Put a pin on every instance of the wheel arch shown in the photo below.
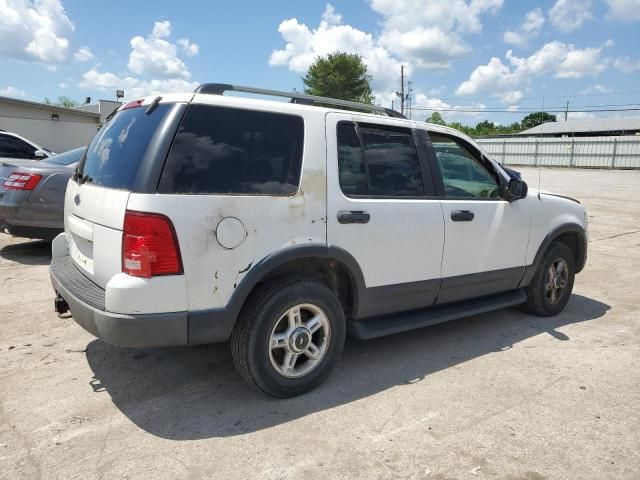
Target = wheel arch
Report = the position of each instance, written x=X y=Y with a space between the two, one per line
x=571 y=234
x=333 y=265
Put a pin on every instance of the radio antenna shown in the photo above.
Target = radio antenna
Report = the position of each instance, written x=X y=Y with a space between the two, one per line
x=538 y=149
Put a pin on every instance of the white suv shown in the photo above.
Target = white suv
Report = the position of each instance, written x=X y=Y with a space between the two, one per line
x=199 y=218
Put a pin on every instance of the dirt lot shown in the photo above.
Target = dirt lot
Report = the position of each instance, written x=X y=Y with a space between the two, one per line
x=502 y=395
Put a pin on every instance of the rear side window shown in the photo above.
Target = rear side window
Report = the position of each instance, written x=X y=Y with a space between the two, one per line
x=11 y=147
x=378 y=162
x=116 y=151
x=220 y=150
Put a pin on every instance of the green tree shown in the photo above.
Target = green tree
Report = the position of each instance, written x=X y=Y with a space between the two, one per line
x=436 y=118
x=537 y=118
x=339 y=75
x=62 y=102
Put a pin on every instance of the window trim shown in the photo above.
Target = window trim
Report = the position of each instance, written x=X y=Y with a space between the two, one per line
x=477 y=155
x=428 y=182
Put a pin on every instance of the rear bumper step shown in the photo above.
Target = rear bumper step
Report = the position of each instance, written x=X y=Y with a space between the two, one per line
x=390 y=324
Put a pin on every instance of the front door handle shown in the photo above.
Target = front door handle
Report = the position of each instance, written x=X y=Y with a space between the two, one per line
x=462 y=215
x=353 y=216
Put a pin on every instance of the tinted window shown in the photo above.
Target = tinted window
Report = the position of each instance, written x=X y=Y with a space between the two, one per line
x=116 y=151
x=12 y=147
x=463 y=174
x=391 y=165
x=352 y=172
x=227 y=150
x=68 y=157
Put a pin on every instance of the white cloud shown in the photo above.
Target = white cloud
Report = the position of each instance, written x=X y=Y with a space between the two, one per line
x=459 y=15
x=625 y=64
x=424 y=104
x=429 y=48
x=161 y=29
x=448 y=111
x=494 y=78
x=530 y=28
x=429 y=34
x=420 y=35
x=304 y=45
x=152 y=56
x=36 y=31
x=83 y=54
x=63 y=85
x=508 y=81
x=156 y=56
x=189 y=48
x=595 y=90
x=625 y=10
x=10 y=91
x=569 y=15
x=134 y=87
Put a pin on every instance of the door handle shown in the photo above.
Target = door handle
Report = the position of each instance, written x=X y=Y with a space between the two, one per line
x=462 y=215
x=353 y=216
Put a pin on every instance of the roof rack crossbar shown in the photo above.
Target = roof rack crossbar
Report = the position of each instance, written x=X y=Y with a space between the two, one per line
x=301 y=98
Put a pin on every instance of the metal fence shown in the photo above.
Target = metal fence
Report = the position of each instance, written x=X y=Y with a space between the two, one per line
x=581 y=152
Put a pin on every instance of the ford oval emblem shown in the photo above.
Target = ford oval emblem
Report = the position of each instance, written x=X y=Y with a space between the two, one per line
x=76 y=199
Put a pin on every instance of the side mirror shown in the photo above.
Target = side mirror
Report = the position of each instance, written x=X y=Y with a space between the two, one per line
x=516 y=190
x=40 y=154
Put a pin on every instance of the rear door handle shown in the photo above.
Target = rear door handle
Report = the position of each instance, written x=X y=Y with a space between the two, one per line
x=353 y=216
x=462 y=215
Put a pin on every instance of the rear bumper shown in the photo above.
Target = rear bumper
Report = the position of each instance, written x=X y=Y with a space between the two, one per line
x=86 y=304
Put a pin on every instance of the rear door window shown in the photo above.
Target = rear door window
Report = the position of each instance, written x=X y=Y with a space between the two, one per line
x=220 y=150
x=378 y=162
x=114 y=155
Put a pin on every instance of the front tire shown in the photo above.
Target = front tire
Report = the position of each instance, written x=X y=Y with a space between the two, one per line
x=551 y=286
x=289 y=337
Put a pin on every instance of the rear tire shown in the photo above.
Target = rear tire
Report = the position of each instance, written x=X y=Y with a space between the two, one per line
x=551 y=286
x=289 y=336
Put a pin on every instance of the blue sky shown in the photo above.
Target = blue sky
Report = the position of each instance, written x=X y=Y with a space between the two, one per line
x=461 y=55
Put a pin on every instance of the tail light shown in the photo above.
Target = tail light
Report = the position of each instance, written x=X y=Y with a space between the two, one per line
x=21 y=181
x=150 y=245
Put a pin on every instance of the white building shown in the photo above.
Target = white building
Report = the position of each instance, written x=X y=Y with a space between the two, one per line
x=52 y=127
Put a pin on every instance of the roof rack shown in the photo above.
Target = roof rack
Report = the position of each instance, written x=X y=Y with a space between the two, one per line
x=295 y=97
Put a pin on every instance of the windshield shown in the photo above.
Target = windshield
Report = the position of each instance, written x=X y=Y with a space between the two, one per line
x=68 y=157
x=113 y=158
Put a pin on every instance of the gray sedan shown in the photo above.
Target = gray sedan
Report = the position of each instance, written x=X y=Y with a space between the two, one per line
x=32 y=194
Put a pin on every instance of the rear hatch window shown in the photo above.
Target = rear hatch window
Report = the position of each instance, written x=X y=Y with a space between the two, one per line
x=115 y=154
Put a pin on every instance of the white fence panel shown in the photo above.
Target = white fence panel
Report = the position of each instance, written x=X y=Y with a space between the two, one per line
x=583 y=152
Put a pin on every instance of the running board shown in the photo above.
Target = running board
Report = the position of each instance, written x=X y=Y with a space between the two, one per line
x=403 y=322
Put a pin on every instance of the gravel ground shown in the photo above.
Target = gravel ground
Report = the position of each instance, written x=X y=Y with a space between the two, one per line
x=502 y=395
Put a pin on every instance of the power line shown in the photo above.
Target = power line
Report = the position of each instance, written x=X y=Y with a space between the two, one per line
x=576 y=95
x=521 y=110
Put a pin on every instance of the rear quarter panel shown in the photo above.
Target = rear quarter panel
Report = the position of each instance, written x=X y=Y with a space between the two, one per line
x=271 y=222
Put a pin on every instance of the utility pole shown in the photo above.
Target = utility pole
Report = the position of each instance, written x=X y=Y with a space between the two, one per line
x=409 y=99
x=402 y=89
x=566 y=111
